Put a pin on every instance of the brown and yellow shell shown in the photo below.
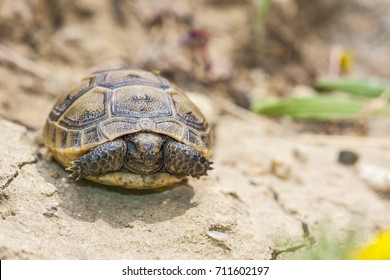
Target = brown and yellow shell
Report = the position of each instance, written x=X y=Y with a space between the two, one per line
x=112 y=103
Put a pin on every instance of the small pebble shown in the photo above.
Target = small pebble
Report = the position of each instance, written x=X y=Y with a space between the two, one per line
x=51 y=212
x=348 y=157
x=280 y=169
x=220 y=236
x=48 y=189
x=376 y=177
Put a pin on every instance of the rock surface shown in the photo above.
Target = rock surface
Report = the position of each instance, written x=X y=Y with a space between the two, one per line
x=240 y=211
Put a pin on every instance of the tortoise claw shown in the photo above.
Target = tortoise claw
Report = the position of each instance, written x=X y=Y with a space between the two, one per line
x=210 y=167
x=75 y=169
x=74 y=177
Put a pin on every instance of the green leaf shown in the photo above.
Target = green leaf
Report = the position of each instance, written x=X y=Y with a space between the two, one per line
x=359 y=87
x=311 y=108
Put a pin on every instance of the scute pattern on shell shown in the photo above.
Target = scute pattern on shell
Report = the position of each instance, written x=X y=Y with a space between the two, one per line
x=122 y=77
x=109 y=104
x=66 y=100
x=146 y=102
x=89 y=108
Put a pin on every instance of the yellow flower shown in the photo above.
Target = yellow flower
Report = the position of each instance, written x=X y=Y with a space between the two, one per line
x=379 y=249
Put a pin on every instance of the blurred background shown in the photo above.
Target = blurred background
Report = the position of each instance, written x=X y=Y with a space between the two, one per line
x=301 y=80
x=289 y=59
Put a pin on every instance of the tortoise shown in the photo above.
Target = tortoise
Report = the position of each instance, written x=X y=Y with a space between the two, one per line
x=128 y=128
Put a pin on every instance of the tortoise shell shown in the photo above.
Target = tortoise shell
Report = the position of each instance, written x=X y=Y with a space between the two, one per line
x=112 y=103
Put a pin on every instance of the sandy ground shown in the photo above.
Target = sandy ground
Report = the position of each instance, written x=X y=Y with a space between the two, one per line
x=242 y=210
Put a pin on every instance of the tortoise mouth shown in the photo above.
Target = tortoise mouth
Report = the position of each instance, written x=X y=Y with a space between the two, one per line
x=145 y=167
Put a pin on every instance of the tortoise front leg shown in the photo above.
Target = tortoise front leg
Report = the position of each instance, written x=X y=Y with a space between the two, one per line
x=104 y=158
x=182 y=160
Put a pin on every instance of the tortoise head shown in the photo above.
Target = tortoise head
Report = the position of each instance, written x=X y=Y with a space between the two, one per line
x=144 y=152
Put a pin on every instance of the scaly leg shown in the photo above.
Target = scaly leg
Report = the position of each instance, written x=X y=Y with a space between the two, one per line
x=104 y=158
x=182 y=160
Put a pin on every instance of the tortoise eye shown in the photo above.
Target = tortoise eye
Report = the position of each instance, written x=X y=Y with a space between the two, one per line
x=131 y=148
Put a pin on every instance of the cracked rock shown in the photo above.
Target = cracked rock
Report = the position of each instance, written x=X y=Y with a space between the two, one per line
x=229 y=218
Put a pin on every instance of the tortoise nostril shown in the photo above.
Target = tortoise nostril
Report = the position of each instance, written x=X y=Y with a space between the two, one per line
x=149 y=153
x=143 y=149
